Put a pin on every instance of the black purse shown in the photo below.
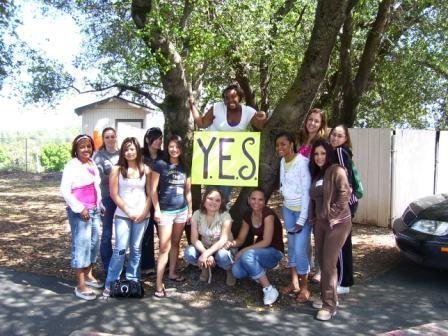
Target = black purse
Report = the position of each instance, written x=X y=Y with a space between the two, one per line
x=127 y=289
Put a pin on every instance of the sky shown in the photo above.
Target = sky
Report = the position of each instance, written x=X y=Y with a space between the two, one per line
x=59 y=37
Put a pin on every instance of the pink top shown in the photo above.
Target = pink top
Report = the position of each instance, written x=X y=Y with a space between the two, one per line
x=86 y=195
x=305 y=150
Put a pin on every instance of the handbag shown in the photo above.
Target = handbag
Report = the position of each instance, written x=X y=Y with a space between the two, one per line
x=127 y=289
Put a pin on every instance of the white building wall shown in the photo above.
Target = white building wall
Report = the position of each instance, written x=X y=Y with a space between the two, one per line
x=442 y=164
x=413 y=167
x=105 y=115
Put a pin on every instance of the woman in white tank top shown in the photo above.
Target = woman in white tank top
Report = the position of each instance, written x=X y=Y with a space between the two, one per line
x=129 y=185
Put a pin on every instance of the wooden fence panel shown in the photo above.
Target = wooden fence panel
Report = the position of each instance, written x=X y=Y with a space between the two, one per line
x=372 y=156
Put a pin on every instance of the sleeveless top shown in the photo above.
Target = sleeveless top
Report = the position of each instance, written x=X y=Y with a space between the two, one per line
x=220 y=122
x=277 y=235
x=132 y=191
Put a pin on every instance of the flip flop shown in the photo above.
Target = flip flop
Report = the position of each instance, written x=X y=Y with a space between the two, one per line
x=94 y=283
x=179 y=278
x=161 y=293
x=85 y=295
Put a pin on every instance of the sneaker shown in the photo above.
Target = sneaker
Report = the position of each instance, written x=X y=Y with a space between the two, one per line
x=317 y=304
x=89 y=296
x=94 y=283
x=230 y=279
x=342 y=290
x=324 y=315
x=270 y=295
x=106 y=293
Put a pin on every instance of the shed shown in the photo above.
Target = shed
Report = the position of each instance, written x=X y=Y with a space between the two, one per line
x=127 y=117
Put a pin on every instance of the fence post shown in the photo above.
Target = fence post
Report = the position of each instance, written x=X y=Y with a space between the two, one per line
x=26 y=155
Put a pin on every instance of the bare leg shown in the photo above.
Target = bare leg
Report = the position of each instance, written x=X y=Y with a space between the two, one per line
x=164 y=249
x=176 y=235
x=80 y=278
x=293 y=285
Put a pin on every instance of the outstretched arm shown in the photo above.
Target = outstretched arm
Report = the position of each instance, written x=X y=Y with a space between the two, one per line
x=201 y=121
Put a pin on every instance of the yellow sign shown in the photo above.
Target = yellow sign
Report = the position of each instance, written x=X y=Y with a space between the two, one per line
x=226 y=158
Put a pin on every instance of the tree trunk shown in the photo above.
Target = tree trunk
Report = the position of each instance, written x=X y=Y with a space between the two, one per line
x=353 y=91
x=287 y=116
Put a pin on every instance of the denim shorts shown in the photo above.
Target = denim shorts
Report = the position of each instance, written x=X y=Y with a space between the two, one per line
x=176 y=216
x=85 y=238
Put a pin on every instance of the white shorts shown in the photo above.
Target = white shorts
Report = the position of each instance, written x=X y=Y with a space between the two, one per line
x=174 y=217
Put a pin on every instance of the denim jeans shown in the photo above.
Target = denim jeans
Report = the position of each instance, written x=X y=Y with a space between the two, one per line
x=298 y=243
x=127 y=234
x=254 y=262
x=106 y=236
x=223 y=257
x=85 y=238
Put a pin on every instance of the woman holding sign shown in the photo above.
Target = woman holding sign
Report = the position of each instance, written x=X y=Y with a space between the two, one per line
x=228 y=116
x=171 y=196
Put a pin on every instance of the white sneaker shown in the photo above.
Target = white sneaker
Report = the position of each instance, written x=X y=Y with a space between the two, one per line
x=342 y=290
x=270 y=295
x=324 y=315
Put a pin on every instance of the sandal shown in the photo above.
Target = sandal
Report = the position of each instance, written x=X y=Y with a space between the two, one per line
x=179 y=278
x=289 y=290
x=303 y=296
x=90 y=295
x=160 y=294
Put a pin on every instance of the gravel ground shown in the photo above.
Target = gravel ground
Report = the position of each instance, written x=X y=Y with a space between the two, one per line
x=35 y=237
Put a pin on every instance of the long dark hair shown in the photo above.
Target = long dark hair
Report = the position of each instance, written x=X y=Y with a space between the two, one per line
x=151 y=135
x=76 y=142
x=207 y=192
x=348 y=141
x=316 y=171
x=177 y=139
x=123 y=163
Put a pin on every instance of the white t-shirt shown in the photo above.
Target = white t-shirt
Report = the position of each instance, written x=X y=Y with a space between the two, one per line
x=220 y=121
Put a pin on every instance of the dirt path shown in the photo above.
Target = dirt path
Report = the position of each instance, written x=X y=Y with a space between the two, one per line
x=35 y=237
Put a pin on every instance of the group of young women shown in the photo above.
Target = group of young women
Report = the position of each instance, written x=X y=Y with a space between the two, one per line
x=136 y=189
x=130 y=189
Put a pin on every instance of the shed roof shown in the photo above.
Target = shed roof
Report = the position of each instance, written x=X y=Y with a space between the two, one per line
x=93 y=105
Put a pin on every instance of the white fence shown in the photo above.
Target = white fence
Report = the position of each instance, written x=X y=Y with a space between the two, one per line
x=397 y=167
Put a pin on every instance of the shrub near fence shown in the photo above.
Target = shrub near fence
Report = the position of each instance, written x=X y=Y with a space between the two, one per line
x=24 y=154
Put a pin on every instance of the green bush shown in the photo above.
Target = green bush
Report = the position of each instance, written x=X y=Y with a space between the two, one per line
x=53 y=157
x=5 y=158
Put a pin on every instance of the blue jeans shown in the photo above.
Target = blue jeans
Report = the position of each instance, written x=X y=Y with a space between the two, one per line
x=254 y=262
x=85 y=238
x=106 y=236
x=298 y=243
x=127 y=234
x=223 y=257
